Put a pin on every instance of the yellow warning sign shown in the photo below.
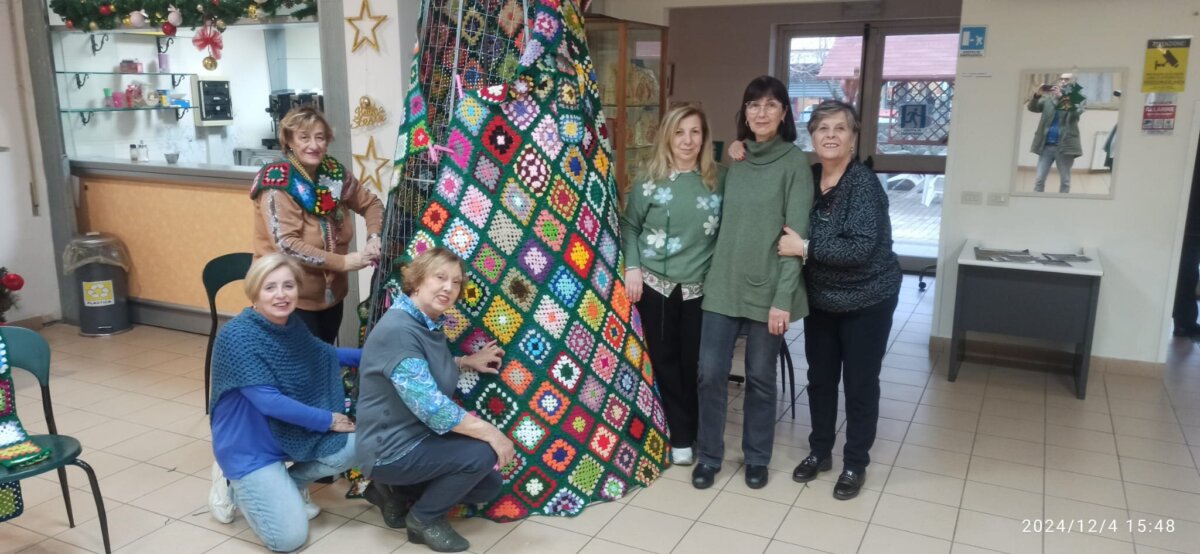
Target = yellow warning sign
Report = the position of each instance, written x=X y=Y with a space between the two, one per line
x=1166 y=65
x=98 y=293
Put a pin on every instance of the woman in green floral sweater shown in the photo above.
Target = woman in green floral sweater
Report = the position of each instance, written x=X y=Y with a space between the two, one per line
x=669 y=230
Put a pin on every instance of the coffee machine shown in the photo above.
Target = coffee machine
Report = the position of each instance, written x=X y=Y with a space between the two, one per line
x=282 y=101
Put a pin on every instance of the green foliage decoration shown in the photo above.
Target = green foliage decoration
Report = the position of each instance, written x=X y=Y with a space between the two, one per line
x=97 y=15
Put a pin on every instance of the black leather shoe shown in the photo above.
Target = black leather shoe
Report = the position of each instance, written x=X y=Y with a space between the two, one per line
x=849 y=483
x=810 y=467
x=756 y=476
x=1187 y=330
x=703 y=474
x=392 y=504
x=437 y=535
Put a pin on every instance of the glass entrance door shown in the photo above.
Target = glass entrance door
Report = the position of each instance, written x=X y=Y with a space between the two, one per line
x=901 y=79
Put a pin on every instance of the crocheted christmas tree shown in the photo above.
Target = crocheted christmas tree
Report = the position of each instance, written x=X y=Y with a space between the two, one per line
x=526 y=196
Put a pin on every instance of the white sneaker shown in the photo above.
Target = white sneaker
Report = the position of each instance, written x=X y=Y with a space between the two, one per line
x=682 y=456
x=220 y=497
x=310 y=509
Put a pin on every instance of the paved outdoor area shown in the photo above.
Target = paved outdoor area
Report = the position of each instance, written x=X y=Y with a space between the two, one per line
x=912 y=220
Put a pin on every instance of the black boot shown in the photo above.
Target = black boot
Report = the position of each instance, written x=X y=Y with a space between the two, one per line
x=392 y=504
x=437 y=535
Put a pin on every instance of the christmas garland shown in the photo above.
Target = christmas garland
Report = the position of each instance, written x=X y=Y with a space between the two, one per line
x=169 y=15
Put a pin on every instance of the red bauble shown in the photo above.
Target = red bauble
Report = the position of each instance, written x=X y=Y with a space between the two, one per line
x=168 y=29
x=106 y=9
x=12 y=281
x=70 y=25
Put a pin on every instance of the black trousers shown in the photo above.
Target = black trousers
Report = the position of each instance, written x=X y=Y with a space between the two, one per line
x=846 y=346
x=672 y=328
x=1184 y=312
x=323 y=324
x=444 y=470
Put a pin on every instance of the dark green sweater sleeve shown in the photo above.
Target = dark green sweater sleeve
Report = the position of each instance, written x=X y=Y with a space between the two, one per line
x=798 y=206
x=636 y=206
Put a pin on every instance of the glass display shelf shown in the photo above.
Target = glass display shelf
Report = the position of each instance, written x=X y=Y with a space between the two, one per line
x=85 y=114
x=81 y=77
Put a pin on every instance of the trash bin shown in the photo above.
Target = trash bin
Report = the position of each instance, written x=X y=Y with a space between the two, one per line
x=100 y=263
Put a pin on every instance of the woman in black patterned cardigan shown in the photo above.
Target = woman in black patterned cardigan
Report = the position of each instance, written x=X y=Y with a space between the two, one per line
x=853 y=283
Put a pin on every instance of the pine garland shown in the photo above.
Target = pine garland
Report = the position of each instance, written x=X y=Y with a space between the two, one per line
x=95 y=15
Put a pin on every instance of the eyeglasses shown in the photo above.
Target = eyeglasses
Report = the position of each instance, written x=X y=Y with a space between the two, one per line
x=770 y=106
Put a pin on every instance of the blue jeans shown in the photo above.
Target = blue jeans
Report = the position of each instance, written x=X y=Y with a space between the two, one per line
x=270 y=498
x=717 y=337
x=1051 y=155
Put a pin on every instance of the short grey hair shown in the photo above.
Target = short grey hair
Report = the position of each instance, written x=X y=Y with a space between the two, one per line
x=827 y=109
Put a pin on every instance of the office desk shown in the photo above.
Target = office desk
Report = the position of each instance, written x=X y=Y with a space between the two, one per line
x=1032 y=300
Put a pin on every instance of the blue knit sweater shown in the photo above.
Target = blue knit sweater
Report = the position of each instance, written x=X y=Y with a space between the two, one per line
x=252 y=351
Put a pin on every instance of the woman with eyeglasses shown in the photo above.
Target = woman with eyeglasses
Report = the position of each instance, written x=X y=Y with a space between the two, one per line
x=749 y=289
x=853 y=282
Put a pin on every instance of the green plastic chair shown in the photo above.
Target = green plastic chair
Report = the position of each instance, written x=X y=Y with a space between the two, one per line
x=218 y=272
x=29 y=351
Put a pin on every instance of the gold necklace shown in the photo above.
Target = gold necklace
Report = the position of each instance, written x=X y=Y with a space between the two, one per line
x=299 y=167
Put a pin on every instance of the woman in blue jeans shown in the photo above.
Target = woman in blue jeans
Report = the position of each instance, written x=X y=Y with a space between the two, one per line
x=277 y=397
x=749 y=288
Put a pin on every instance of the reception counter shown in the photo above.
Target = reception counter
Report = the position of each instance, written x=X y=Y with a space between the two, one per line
x=173 y=219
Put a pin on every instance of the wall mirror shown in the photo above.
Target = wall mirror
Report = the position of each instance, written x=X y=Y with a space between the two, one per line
x=1067 y=136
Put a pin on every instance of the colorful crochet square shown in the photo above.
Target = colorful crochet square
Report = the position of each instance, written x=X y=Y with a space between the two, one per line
x=534 y=487
x=549 y=402
x=578 y=424
x=6 y=397
x=11 y=503
x=516 y=377
x=16 y=449
x=495 y=405
x=528 y=434
x=524 y=193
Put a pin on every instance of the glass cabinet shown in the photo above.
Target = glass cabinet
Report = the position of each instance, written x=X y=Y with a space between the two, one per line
x=631 y=70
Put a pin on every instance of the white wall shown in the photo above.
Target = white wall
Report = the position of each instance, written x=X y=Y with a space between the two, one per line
x=383 y=76
x=303 y=57
x=655 y=11
x=108 y=135
x=1138 y=232
x=26 y=246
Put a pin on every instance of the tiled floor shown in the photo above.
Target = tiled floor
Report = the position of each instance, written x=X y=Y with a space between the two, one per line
x=958 y=466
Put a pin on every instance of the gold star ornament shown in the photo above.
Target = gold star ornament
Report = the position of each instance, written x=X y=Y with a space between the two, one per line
x=370 y=165
x=370 y=22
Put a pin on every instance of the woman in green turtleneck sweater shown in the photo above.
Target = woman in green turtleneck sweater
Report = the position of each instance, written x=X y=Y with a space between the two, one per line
x=749 y=287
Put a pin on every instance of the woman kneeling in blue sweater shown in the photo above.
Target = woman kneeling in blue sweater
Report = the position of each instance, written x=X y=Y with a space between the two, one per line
x=277 y=397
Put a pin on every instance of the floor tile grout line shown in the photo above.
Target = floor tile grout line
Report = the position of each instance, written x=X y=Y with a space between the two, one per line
x=1120 y=466
x=967 y=474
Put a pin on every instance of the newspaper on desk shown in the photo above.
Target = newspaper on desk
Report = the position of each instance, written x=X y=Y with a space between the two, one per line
x=1027 y=257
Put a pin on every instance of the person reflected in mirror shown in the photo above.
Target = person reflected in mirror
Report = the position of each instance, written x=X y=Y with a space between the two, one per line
x=853 y=279
x=1056 y=140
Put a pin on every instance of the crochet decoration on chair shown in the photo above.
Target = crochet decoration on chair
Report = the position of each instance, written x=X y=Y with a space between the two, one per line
x=15 y=447
x=526 y=195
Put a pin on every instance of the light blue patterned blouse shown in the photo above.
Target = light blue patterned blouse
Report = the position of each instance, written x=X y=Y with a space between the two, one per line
x=415 y=384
